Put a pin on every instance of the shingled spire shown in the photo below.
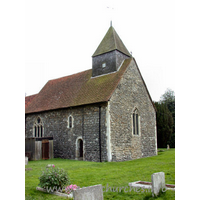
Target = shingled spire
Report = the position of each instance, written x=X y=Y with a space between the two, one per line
x=109 y=54
x=110 y=42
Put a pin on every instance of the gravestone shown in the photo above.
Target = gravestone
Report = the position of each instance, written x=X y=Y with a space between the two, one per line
x=27 y=169
x=158 y=182
x=168 y=146
x=89 y=193
x=26 y=160
x=50 y=165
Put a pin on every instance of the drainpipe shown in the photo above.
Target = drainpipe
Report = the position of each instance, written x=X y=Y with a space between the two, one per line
x=83 y=123
x=100 y=133
x=83 y=131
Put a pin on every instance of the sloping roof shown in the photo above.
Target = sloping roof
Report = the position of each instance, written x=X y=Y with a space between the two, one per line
x=28 y=99
x=110 y=42
x=75 y=90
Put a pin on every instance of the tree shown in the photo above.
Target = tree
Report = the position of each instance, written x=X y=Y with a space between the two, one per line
x=164 y=124
x=168 y=98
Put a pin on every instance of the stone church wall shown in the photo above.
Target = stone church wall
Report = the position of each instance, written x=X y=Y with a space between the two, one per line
x=85 y=126
x=131 y=93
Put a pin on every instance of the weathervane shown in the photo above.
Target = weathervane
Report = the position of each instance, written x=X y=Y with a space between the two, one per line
x=111 y=9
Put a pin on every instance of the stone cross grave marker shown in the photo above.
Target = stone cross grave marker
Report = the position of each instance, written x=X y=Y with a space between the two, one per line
x=158 y=182
x=89 y=193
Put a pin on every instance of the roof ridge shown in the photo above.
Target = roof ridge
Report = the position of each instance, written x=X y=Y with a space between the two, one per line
x=114 y=37
x=70 y=75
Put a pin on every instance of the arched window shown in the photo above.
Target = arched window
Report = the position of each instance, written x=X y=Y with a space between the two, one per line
x=70 y=122
x=38 y=128
x=136 y=122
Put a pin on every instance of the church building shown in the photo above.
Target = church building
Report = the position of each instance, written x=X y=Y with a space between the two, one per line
x=101 y=114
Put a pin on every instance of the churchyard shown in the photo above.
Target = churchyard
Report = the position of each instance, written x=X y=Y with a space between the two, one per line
x=113 y=176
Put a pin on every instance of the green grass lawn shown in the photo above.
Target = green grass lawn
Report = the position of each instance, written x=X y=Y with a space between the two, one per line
x=111 y=174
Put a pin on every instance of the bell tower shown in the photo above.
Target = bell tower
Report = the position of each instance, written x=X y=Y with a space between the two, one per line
x=109 y=55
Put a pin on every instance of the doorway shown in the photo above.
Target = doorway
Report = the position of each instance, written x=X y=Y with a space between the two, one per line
x=45 y=149
x=79 y=149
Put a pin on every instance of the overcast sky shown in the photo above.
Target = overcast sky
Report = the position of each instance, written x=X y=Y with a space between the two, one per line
x=61 y=36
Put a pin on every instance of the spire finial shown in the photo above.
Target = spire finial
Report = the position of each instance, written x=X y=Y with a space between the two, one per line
x=110 y=10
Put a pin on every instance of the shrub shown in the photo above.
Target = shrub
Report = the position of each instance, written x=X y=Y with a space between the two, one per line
x=54 y=178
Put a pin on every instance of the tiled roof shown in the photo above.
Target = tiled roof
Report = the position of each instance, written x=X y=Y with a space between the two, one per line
x=111 y=42
x=75 y=90
x=28 y=100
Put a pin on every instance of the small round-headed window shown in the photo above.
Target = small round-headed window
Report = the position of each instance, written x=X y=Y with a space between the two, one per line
x=104 y=65
x=70 y=122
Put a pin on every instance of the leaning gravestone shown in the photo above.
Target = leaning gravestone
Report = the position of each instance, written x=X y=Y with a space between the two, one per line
x=158 y=182
x=26 y=160
x=89 y=193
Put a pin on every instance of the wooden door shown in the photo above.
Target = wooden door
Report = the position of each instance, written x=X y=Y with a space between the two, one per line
x=45 y=149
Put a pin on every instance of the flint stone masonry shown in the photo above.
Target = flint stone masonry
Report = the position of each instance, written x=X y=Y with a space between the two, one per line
x=86 y=126
x=89 y=193
x=130 y=94
x=104 y=126
x=158 y=182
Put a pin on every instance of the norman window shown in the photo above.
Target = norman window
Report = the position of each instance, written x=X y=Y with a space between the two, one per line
x=70 y=122
x=136 y=124
x=38 y=129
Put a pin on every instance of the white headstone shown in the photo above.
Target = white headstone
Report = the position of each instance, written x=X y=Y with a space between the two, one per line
x=158 y=183
x=89 y=193
x=50 y=165
x=26 y=160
